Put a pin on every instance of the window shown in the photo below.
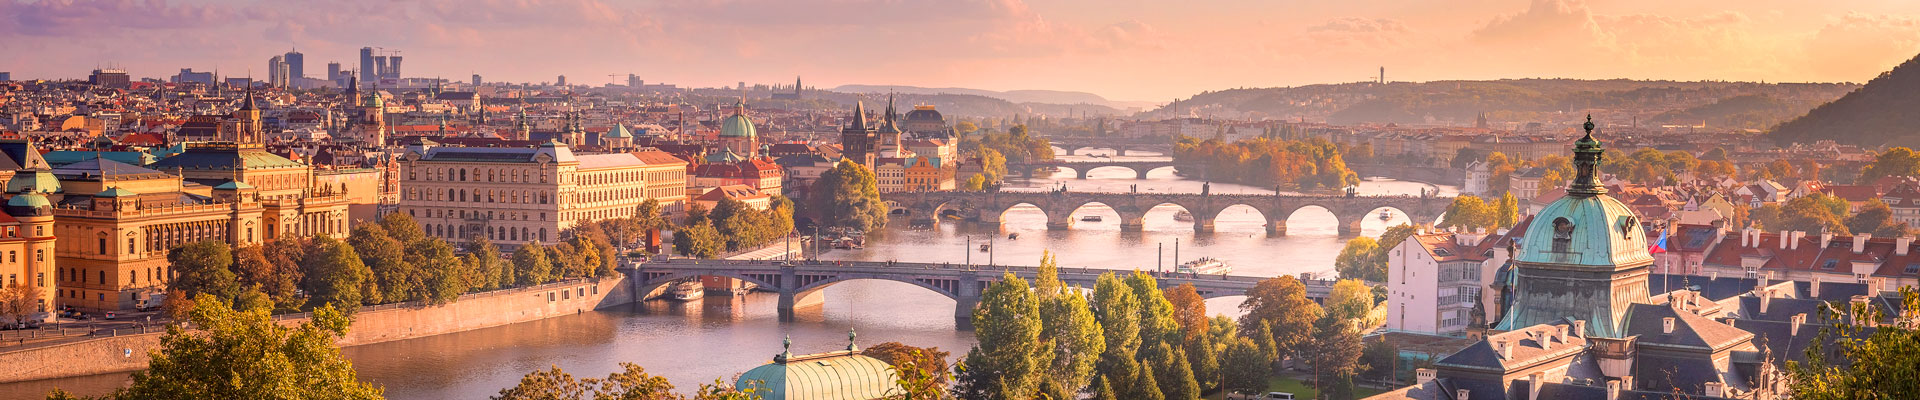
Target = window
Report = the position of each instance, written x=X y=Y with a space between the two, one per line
x=131 y=249
x=1830 y=264
x=1913 y=269
x=1562 y=235
x=103 y=246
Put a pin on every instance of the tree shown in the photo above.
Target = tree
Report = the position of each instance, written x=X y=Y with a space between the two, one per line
x=929 y=362
x=1506 y=212
x=1174 y=376
x=1876 y=218
x=1470 y=212
x=245 y=354
x=1814 y=213
x=1156 y=313
x=632 y=382
x=258 y=272
x=489 y=271
x=1898 y=161
x=1377 y=361
x=847 y=196
x=701 y=241
x=204 y=267
x=1350 y=299
x=1866 y=362
x=1357 y=260
x=1335 y=356
x=335 y=276
x=1203 y=356
x=1145 y=385
x=385 y=255
x=1117 y=310
x=1243 y=367
x=975 y=183
x=1010 y=357
x=781 y=211
x=19 y=302
x=1281 y=305
x=531 y=265
x=1067 y=319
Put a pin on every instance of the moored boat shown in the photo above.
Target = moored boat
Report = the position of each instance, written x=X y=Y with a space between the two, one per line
x=1205 y=266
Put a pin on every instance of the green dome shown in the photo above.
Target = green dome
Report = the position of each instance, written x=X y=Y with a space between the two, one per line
x=1594 y=231
x=836 y=375
x=115 y=192
x=29 y=200
x=35 y=181
x=737 y=126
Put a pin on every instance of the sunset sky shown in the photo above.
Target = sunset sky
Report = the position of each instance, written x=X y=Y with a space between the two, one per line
x=1122 y=49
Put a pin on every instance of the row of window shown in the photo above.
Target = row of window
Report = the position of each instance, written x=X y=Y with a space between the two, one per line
x=14 y=280
x=461 y=175
x=478 y=196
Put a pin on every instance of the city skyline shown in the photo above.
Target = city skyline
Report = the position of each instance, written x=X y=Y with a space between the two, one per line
x=988 y=44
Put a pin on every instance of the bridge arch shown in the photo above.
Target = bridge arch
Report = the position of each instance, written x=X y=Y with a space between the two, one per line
x=1088 y=209
x=1239 y=212
x=810 y=293
x=1305 y=215
x=1396 y=216
x=650 y=285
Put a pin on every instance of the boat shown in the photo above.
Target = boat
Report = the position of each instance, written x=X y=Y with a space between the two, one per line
x=1183 y=216
x=1091 y=218
x=688 y=291
x=1205 y=266
x=1386 y=215
x=849 y=243
x=1012 y=236
x=986 y=247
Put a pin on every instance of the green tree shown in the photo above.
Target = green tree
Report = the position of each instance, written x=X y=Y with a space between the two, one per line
x=1350 y=299
x=1117 y=310
x=781 y=211
x=1009 y=360
x=974 y=183
x=531 y=265
x=1506 y=211
x=1470 y=212
x=490 y=272
x=1863 y=362
x=847 y=196
x=1358 y=260
x=1145 y=384
x=1335 y=356
x=1156 y=312
x=632 y=382
x=701 y=241
x=335 y=276
x=395 y=278
x=1898 y=161
x=204 y=267
x=1174 y=376
x=1067 y=319
x=1280 y=304
x=1814 y=213
x=1244 y=367
x=929 y=362
x=1378 y=361
x=441 y=276
x=245 y=354
x=1876 y=218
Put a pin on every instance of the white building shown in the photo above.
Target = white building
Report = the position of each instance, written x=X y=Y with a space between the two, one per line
x=1434 y=280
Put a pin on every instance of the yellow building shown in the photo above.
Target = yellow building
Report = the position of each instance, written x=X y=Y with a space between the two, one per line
x=927 y=174
x=514 y=196
x=26 y=232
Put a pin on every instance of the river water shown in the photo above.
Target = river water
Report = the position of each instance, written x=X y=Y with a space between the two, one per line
x=720 y=337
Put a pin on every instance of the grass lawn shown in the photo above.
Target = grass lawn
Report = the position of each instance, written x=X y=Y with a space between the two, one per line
x=1299 y=390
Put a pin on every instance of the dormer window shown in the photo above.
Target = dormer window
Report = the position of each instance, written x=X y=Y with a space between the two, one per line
x=1562 y=235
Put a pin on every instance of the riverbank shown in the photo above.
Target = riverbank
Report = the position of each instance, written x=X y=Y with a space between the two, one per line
x=377 y=324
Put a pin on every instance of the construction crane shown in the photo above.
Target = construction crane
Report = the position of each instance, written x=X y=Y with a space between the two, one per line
x=613 y=79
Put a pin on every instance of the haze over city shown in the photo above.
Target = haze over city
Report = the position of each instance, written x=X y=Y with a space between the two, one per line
x=1124 y=49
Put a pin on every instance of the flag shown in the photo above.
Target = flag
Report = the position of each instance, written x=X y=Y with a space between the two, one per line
x=1659 y=246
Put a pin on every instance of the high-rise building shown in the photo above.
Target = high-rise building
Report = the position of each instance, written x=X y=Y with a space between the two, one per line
x=379 y=67
x=333 y=71
x=296 y=66
x=276 y=67
x=366 y=65
x=476 y=80
x=6 y=76
x=188 y=76
x=562 y=81
x=633 y=81
x=110 y=78
x=393 y=67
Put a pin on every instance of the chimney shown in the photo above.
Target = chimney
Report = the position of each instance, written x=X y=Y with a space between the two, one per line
x=1626 y=382
x=1794 y=323
x=1797 y=235
x=1533 y=385
x=1814 y=287
x=1422 y=375
x=1666 y=325
x=1901 y=244
x=1580 y=328
x=1860 y=242
x=1714 y=388
x=1613 y=390
x=1766 y=296
x=1785 y=238
x=1460 y=394
x=1544 y=339
x=1505 y=348
x=1762 y=285
x=1826 y=238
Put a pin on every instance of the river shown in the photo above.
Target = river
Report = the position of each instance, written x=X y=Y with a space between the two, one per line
x=720 y=337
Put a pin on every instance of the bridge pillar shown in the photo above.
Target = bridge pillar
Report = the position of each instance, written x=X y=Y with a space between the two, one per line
x=1081 y=173
x=989 y=215
x=1202 y=224
x=1350 y=226
x=1141 y=173
x=1059 y=221
x=1120 y=151
x=1277 y=228
x=966 y=297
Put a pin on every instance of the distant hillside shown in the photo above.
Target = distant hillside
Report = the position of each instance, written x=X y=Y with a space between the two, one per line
x=1880 y=113
x=1729 y=104
x=1015 y=96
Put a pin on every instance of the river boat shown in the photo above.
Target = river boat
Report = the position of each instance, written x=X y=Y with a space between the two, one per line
x=1183 y=216
x=1012 y=236
x=1205 y=266
x=688 y=291
x=1386 y=215
x=986 y=247
x=1091 y=218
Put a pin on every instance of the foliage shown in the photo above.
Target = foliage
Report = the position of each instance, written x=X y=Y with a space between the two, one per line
x=1357 y=260
x=1011 y=355
x=1864 y=362
x=1863 y=115
x=393 y=278
x=1506 y=211
x=700 y=241
x=847 y=196
x=1471 y=212
x=1172 y=372
x=1812 y=213
x=19 y=301
x=1876 y=218
x=1377 y=360
x=488 y=270
x=204 y=267
x=631 y=383
x=1244 y=367
x=335 y=276
x=1116 y=308
x=245 y=354
x=923 y=371
x=531 y=265
x=1335 y=356
x=1281 y=305
x=1068 y=321
x=1350 y=299
x=1308 y=164
x=1896 y=162
x=1156 y=312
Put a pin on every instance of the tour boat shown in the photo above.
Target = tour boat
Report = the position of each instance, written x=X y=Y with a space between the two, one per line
x=1012 y=236
x=986 y=247
x=1386 y=215
x=849 y=243
x=688 y=291
x=1183 y=216
x=1205 y=266
x=1091 y=218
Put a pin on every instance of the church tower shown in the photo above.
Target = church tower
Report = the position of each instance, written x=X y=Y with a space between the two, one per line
x=246 y=127
x=1584 y=257
x=856 y=140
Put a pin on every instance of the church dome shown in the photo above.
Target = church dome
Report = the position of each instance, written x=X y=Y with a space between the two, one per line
x=832 y=375
x=737 y=125
x=29 y=205
x=1594 y=231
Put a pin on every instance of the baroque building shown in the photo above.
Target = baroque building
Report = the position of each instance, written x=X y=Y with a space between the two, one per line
x=516 y=196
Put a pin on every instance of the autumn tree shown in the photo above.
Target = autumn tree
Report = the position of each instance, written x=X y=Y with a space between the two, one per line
x=1068 y=321
x=847 y=196
x=1357 y=260
x=245 y=354
x=531 y=265
x=1280 y=305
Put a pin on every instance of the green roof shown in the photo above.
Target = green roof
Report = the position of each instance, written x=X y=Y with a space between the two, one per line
x=29 y=200
x=115 y=192
x=220 y=159
x=1601 y=232
x=619 y=131
x=725 y=156
x=836 y=375
x=233 y=185
x=737 y=125
x=37 y=181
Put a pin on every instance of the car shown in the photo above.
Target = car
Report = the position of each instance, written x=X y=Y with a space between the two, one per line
x=1260 y=396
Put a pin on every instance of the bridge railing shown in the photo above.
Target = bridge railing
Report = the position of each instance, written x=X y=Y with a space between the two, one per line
x=873 y=266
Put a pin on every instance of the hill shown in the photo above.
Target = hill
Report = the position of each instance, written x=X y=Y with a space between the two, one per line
x=1880 y=113
x=1747 y=105
x=1013 y=96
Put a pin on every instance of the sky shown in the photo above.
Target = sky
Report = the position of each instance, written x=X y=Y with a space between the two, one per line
x=1140 y=50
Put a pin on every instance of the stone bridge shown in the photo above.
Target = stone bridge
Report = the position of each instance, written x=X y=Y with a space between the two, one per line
x=799 y=283
x=927 y=207
x=1080 y=168
x=1119 y=145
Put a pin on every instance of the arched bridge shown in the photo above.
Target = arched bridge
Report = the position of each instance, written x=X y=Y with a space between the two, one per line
x=799 y=283
x=1140 y=168
x=926 y=207
x=1120 y=145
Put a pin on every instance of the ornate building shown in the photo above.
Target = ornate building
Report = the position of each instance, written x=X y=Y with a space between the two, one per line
x=514 y=196
x=857 y=139
x=738 y=134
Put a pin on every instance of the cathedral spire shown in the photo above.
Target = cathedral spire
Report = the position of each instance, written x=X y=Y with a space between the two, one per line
x=859 y=121
x=1587 y=154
